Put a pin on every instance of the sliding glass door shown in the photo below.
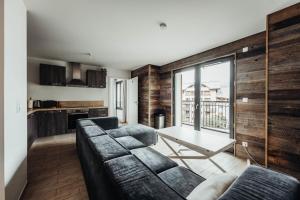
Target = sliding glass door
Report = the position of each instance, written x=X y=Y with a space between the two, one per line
x=203 y=96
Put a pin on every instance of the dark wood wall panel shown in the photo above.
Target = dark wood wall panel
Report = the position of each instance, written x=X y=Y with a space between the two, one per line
x=149 y=93
x=143 y=96
x=250 y=117
x=154 y=92
x=166 y=96
x=284 y=90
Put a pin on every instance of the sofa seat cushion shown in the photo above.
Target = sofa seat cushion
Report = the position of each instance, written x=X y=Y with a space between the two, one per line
x=85 y=122
x=92 y=131
x=181 y=179
x=134 y=181
x=153 y=159
x=106 y=148
x=130 y=142
x=262 y=184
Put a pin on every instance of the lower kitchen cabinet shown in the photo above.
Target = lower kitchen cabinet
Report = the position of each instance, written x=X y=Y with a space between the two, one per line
x=32 y=129
x=52 y=123
x=98 y=112
x=49 y=123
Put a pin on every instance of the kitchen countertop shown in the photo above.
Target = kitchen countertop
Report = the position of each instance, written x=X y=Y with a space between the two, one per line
x=31 y=111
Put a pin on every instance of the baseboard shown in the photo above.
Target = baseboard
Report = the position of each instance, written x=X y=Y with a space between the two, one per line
x=24 y=187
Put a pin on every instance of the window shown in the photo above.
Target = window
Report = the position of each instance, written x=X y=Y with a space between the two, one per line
x=119 y=95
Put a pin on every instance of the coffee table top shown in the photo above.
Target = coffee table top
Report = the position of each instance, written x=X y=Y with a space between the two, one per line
x=199 y=141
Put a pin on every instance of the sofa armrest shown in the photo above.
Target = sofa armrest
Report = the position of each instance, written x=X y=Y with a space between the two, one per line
x=106 y=122
x=260 y=183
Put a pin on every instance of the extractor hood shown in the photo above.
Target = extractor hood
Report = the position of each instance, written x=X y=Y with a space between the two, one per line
x=76 y=79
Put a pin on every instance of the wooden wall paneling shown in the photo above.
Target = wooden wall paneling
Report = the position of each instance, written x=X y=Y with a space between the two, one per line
x=149 y=93
x=166 y=96
x=143 y=97
x=218 y=52
x=250 y=117
x=154 y=92
x=284 y=90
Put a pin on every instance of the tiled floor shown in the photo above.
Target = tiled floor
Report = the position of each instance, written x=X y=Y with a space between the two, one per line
x=54 y=170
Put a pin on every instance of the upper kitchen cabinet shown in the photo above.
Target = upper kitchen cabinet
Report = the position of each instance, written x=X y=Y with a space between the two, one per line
x=96 y=78
x=52 y=75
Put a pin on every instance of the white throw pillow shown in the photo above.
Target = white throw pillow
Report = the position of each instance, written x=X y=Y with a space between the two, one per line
x=212 y=188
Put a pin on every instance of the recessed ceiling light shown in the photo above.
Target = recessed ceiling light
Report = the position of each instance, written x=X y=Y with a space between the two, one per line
x=163 y=26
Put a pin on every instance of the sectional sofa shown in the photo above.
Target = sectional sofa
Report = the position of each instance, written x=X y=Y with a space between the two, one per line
x=118 y=164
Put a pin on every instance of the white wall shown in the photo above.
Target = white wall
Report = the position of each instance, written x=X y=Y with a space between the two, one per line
x=40 y=92
x=2 y=185
x=15 y=95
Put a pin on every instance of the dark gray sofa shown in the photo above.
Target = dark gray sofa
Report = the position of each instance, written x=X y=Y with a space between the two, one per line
x=118 y=164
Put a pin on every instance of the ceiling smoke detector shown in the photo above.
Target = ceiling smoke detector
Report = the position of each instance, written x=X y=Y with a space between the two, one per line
x=163 y=26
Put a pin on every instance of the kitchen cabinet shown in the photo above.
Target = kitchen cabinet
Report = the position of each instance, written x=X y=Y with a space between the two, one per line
x=96 y=78
x=98 y=112
x=52 y=123
x=52 y=75
x=32 y=129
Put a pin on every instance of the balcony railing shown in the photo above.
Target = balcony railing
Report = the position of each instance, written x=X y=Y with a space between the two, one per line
x=213 y=114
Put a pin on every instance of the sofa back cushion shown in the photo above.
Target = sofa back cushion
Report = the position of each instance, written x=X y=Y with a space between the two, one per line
x=92 y=131
x=106 y=148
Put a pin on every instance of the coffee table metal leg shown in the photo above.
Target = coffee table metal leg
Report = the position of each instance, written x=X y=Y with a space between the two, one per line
x=175 y=153
x=217 y=165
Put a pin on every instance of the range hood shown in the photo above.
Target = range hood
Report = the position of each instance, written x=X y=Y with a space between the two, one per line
x=76 y=79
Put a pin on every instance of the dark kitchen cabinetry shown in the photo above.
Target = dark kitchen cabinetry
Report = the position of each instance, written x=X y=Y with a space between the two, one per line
x=52 y=75
x=52 y=123
x=96 y=78
x=98 y=112
x=32 y=129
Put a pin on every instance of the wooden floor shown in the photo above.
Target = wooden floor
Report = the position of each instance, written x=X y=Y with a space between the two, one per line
x=54 y=170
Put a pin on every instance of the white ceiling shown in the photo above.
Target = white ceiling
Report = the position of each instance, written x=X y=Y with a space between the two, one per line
x=125 y=34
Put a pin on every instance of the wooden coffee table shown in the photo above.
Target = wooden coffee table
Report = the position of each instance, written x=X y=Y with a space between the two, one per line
x=201 y=142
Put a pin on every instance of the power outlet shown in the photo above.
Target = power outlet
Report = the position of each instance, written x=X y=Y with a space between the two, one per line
x=245 y=100
x=245 y=49
x=245 y=144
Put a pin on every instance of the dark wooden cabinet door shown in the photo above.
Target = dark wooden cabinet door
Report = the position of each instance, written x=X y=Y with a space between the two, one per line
x=102 y=78
x=91 y=78
x=52 y=75
x=52 y=123
x=96 y=79
x=98 y=112
x=60 y=122
x=32 y=129
x=60 y=73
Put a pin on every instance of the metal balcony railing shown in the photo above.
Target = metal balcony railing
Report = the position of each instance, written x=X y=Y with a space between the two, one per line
x=213 y=114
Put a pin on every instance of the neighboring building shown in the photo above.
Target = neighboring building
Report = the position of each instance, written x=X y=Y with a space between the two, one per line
x=212 y=93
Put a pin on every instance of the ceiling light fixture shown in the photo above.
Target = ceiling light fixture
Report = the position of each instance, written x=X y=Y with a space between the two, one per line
x=163 y=26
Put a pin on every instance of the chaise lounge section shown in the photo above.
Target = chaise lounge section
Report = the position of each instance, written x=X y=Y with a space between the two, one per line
x=118 y=164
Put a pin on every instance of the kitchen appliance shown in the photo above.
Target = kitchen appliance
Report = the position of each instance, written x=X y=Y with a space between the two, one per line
x=36 y=103
x=30 y=103
x=76 y=79
x=73 y=115
x=49 y=104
